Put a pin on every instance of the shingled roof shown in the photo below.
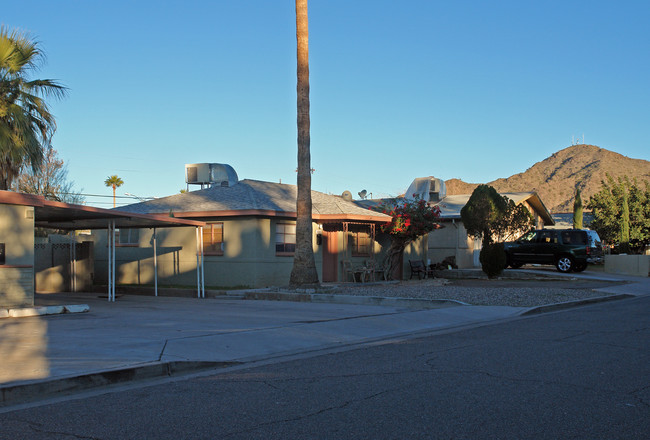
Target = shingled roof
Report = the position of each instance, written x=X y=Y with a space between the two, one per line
x=254 y=197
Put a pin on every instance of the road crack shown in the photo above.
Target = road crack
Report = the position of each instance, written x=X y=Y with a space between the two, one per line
x=312 y=414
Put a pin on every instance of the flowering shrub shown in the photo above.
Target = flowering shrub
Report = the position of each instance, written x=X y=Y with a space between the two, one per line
x=411 y=218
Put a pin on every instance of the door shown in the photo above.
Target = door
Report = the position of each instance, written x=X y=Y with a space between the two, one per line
x=547 y=247
x=330 y=256
x=523 y=251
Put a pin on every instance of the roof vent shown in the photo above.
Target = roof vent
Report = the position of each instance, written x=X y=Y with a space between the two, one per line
x=210 y=174
x=347 y=195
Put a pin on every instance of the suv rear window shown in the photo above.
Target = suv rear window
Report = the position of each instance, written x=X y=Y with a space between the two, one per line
x=594 y=239
x=574 y=237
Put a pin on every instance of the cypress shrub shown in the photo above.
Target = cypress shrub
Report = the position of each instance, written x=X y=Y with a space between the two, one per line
x=577 y=211
x=493 y=259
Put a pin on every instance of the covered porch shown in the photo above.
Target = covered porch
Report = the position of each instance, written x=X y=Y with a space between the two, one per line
x=350 y=251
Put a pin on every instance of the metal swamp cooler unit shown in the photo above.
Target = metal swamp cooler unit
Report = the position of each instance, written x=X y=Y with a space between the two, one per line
x=210 y=174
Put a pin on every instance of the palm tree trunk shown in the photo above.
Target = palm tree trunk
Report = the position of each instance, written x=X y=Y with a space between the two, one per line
x=304 y=267
x=113 y=195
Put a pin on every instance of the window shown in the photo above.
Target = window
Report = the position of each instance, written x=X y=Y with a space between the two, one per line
x=360 y=244
x=547 y=236
x=127 y=237
x=530 y=237
x=285 y=238
x=574 y=237
x=213 y=239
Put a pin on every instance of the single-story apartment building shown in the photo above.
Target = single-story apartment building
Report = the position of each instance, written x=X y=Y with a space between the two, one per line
x=248 y=239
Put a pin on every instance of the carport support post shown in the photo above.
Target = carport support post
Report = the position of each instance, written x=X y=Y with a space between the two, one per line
x=113 y=240
x=108 y=259
x=73 y=261
x=202 y=266
x=200 y=279
x=198 y=266
x=155 y=265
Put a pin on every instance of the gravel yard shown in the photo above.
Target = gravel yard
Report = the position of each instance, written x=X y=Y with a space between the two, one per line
x=515 y=293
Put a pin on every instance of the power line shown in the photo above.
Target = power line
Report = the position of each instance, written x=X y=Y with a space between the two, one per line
x=103 y=195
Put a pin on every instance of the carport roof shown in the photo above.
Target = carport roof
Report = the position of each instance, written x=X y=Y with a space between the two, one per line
x=66 y=216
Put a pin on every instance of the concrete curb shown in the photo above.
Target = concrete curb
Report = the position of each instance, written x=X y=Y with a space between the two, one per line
x=413 y=303
x=570 y=304
x=478 y=274
x=25 y=312
x=27 y=392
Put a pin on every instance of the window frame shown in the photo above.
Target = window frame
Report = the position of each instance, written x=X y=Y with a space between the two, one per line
x=284 y=243
x=132 y=241
x=219 y=251
x=356 y=246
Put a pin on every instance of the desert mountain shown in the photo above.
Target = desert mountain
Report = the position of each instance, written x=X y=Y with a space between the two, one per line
x=556 y=177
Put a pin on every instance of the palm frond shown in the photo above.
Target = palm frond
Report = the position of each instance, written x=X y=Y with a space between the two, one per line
x=26 y=124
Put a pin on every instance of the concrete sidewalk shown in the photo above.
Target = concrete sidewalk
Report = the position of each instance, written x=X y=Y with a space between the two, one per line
x=144 y=336
x=140 y=330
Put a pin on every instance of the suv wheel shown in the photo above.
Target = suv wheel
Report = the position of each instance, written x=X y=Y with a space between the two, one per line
x=564 y=264
x=580 y=267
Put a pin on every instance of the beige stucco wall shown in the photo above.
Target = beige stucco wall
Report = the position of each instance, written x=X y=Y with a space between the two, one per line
x=539 y=221
x=637 y=265
x=53 y=268
x=452 y=240
x=249 y=258
x=17 y=274
x=417 y=250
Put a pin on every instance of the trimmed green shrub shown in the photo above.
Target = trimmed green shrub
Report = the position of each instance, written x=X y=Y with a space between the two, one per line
x=493 y=259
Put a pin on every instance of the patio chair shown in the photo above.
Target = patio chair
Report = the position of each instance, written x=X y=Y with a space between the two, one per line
x=375 y=269
x=362 y=272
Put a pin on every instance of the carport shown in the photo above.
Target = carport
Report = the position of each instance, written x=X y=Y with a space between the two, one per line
x=69 y=217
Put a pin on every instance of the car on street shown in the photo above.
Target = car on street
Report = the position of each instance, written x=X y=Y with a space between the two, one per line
x=570 y=250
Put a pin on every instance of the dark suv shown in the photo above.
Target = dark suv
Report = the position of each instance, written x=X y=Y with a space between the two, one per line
x=569 y=249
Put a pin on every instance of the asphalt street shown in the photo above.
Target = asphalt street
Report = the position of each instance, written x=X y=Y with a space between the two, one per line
x=581 y=373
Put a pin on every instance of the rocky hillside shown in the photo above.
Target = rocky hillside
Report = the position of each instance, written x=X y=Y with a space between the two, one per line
x=556 y=177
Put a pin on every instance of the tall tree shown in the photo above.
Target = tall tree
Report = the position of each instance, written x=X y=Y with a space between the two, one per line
x=625 y=224
x=49 y=180
x=608 y=211
x=114 y=182
x=26 y=124
x=577 y=211
x=304 y=267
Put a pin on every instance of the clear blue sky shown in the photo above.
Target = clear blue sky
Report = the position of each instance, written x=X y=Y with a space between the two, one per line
x=468 y=89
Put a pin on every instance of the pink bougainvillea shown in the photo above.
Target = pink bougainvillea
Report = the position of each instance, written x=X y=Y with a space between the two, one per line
x=410 y=219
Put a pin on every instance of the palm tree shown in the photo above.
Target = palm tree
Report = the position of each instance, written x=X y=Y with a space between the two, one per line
x=304 y=267
x=26 y=124
x=115 y=182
